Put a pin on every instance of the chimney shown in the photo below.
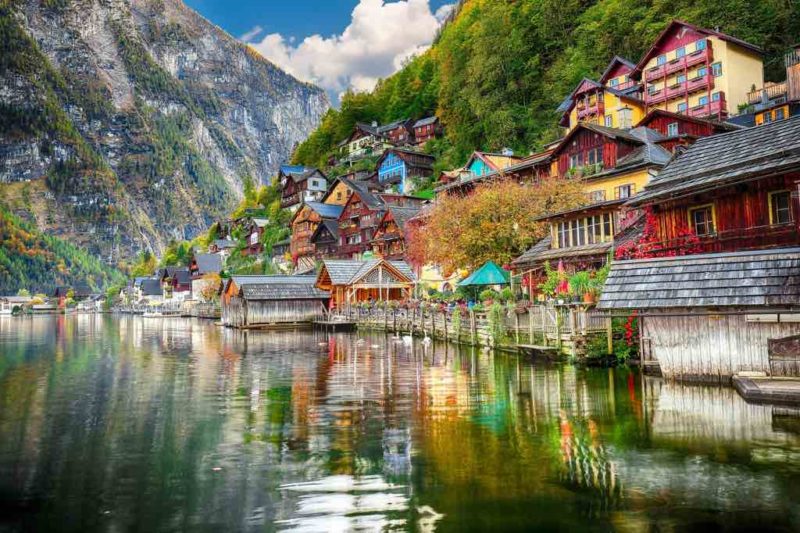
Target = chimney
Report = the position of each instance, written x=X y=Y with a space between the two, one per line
x=507 y=151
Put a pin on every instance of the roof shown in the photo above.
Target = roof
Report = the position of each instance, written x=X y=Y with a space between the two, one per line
x=362 y=188
x=488 y=274
x=616 y=60
x=225 y=243
x=402 y=214
x=584 y=208
x=425 y=121
x=596 y=249
x=331 y=225
x=740 y=279
x=326 y=210
x=151 y=287
x=404 y=153
x=241 y=281
x=533 y=252
x=183 y=276
x=283 y=291
x=303 y=174
x=260 y=222
x=348 y=271
x=727 y=158
x=392 y=125
x=671 y=26
x=208 y=263
x=653 y=113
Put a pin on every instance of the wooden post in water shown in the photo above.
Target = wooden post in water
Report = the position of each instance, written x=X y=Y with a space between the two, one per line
x=516 y=325
x=610 y=335
x=544 y=325
x=530 y=325
x=472 y=333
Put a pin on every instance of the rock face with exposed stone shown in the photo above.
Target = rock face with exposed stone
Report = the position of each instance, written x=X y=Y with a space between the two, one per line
x=128 y=123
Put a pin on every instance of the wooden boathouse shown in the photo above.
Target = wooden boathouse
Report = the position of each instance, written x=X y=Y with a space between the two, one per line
x=272 y=301
x=372 y=280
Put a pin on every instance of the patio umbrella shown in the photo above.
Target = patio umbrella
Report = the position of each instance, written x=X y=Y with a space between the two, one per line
x=488 y=274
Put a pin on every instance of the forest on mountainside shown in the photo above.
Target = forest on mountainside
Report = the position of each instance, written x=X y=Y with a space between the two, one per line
x=500 y=68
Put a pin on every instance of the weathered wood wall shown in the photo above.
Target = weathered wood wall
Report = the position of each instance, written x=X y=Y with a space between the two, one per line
x=249 y=313
x=711 y=347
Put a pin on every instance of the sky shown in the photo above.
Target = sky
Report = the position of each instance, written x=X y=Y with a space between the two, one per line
x=336 y=44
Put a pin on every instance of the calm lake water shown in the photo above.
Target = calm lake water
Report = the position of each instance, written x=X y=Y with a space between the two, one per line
x=135 y=424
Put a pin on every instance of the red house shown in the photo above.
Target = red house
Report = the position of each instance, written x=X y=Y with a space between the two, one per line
x=730 y=192
x=682 y=130
x=426 y=129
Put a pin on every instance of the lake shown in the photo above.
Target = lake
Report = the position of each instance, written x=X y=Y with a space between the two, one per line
x=130 y=423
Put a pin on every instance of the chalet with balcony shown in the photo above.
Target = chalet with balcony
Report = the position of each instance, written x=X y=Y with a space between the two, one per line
x=398 y=133
x=426 y=129
x=365 y=141
x=305 y=223
x=698 y=72
x=595 y=103
x=399 y=169
x=735 y=191
x=774 y=101
x=389 y=241
x=326 y=239
x=301 y=184
x=176 y=282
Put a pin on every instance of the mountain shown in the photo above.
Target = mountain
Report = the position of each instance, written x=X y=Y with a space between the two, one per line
x=125 y=124
x=499 y=68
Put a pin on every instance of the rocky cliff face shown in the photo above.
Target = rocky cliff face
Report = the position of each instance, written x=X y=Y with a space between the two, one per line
x=126 y=123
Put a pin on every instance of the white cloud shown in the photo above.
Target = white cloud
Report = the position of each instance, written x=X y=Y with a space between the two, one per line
x=380 y=36
x=254 y=32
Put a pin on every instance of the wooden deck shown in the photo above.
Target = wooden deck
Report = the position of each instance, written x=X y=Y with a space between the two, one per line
x=550 y=352
x=767 y=389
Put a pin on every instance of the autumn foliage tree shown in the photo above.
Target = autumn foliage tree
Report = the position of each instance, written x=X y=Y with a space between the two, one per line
x=496 y=222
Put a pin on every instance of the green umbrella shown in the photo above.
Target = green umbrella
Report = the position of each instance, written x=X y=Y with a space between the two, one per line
x=488 y=274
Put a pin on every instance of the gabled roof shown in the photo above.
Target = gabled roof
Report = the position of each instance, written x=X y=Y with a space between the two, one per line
x=531 y=254
x=151 y=287
x=656 y=113
x=615 y=61
x=766 y=278
x=347 y=181
x=727 y=158
x=331 y=226
x=386 y=128
x=331 y=211
x=224 y=243
x=349 y=271
x=283 y=291
x=303 y=175
x=364 y=191
x=260 y=222
x=243 y=280
x=208 y=263
x=401 y=215
x=703 y=31
x=612 y=133
x=425 y=121
x=407 y=155
x=494 y=161
x=183 y=276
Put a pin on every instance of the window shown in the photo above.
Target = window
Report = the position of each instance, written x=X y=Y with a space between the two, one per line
x=716 y=69
x=575 y=161
x=587 y=230
x=680 y=52
x=780 y=207
x=701 y=220
x=767 y=118
x=701 y=72
x=614 y=82
x=651 y=90
x=703 y=100
x=779 y=114
x=609 y=121
x=623 y=191
x=563 y=235
x=682 y=107
x=338 y=196
x=597 y=196
x=626 y=118
x=716 y=97
x=578 y=232
x=594 y=156
x=681 y=78
x=700 y=45
x=661 y=60
x=672 y=129
x=608 y=229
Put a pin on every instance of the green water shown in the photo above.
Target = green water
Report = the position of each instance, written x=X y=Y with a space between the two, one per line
x=135 y=424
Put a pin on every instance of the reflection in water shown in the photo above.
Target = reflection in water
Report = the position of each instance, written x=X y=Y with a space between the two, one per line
x=118 y=423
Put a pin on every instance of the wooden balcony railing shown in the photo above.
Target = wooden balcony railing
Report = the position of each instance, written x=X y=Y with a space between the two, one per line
x=716 y=107
x=765 y=94
x=680 y=63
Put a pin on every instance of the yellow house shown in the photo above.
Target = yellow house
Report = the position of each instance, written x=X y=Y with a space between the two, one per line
x=699 y=72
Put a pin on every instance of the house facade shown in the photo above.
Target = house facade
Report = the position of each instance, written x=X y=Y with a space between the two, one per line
x=389 y=241
x=426 y=129
x=301 y=184
x=399 y=169
x=354 y=281
x=305 y=223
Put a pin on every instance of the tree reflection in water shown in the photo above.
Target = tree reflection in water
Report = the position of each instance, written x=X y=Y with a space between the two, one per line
x=122 y=423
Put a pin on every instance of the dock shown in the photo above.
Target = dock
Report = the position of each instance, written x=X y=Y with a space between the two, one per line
x=334 y=325
x=536 y=350
x=768 y=389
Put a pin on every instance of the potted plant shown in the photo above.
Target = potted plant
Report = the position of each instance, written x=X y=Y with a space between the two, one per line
x=579 y=285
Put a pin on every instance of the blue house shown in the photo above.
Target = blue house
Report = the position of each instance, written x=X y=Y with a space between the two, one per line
x=484 y=163
x=399 y=168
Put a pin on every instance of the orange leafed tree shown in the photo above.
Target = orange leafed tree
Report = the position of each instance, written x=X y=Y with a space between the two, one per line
x=496 y=222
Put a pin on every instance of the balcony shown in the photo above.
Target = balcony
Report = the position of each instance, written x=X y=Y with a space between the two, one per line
x=769 y=92
x=679 y=63
x=715 y=108
x=704 y=83
x=288 y=201
x=590 y=110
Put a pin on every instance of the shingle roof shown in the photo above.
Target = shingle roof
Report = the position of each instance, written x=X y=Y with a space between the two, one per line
x=283 y=291
x=362 y=188
x=326 y=210
x=331 y=225
x=225 y=243
x=403 y=214
x=241 y=281
x=151 y=287
x=348 y=271
x=425 y=121
x=183 y=276
x=532 y=253
x=208 y=263
x=740 y=279
x=392 y=125
x=727 y=158
x=260 y=222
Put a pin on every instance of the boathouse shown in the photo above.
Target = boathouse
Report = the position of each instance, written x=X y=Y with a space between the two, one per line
x=279 y=301
x=352 y=281
x=708 y=316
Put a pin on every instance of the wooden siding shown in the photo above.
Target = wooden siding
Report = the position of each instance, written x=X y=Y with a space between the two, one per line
x=252 y=313
x=742 y=217
x=710 y=347
x=586 y=140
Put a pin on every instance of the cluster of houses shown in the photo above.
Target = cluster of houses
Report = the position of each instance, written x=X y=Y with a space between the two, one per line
x=63 y=299
x=177 y=285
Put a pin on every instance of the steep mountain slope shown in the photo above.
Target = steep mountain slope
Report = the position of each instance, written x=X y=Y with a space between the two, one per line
x=500 y=68
x=136 y=121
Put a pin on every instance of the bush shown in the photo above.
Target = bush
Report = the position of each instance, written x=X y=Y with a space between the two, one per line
x=507 y=295
x=487 y=294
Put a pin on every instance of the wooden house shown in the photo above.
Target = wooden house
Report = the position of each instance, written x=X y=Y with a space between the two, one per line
x=304 y=224
x=710 y=316
x=272 y=301
x=254 y=230
x=698 y=72
x=201 y=267
x=426 y=129
x=341 y=188
x=774 y=101
x=523 y=169
x=352 y=281
x=594 y=103
x=399 y=132
x=399 y=169
x=389 y=241
x=151 y=291
x=232 y=285
x=682 y=130
x=301 y=184
x=358 y=220
x=484 y=163
x=326 y=239
x=734 y=191
x=80 y=291
x=222 y=246
x=364 y=141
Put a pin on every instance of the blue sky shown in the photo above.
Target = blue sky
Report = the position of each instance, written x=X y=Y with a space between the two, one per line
x=337 y=44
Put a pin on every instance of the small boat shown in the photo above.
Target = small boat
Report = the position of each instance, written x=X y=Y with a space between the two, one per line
x=152 y=314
